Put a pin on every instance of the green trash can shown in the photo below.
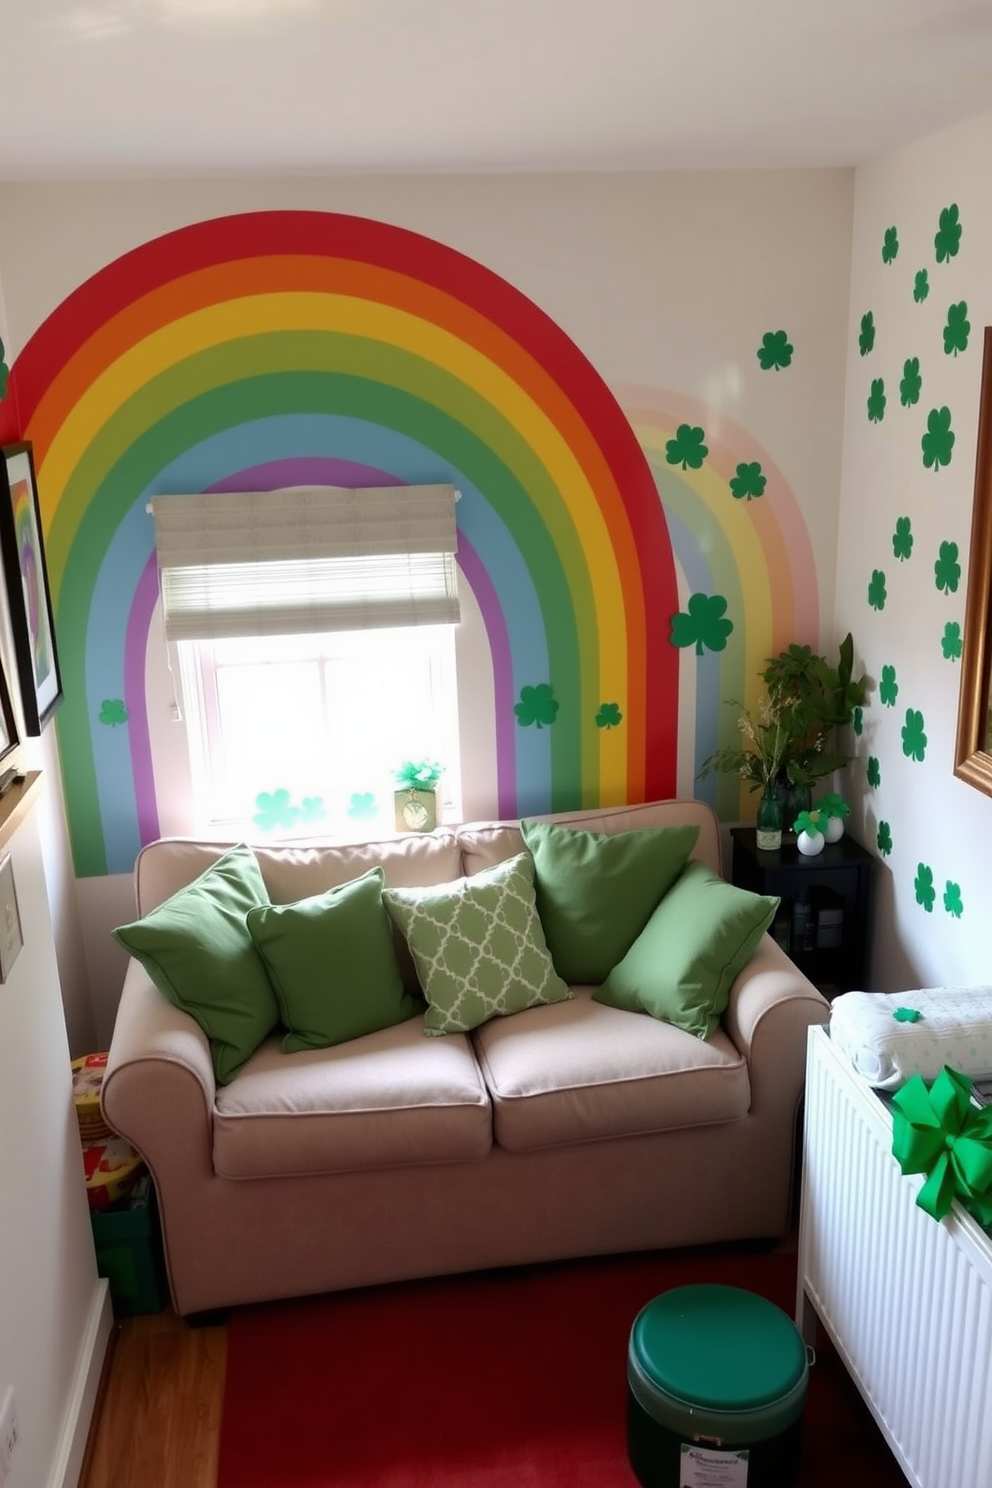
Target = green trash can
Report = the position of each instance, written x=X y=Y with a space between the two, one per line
x=716 y=1385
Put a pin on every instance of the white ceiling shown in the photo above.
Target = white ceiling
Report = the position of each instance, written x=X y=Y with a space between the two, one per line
x=208 y=87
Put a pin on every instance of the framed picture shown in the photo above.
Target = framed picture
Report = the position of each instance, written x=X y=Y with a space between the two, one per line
x=8 y=729
x=11 y=936
x=29 y=600
x=973 y=745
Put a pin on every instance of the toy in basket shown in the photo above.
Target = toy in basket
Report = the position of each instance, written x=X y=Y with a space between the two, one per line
x=87 y=1078
x=112 y=1168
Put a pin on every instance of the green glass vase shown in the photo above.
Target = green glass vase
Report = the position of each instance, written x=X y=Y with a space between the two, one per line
x=769 y=820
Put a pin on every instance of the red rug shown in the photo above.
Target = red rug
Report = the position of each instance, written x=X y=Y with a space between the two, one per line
x=510 y=1379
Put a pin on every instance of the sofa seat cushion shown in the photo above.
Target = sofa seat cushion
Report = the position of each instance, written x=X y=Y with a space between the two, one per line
x=388 y=1099
x=580 y=1071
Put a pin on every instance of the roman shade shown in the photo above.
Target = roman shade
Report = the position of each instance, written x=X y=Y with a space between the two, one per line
x=305 y=559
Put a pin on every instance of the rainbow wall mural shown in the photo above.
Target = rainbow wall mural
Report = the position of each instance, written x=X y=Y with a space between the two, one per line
x=756 y=553
x=277 y=348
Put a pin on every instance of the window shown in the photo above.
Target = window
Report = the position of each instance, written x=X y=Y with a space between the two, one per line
x=300 y=735
x=315 y=634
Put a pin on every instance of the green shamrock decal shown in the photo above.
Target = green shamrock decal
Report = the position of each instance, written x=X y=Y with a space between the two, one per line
x=749 y=481
x=859 y=721
x=609 y=715
x=902 y=539
x=950 y=642
x=866 y=339
x=362 y=806
x=876 y=401
x=952 y=900
x=4 y=373
x=958 y=328
x=704 y=625
x=312 y=810
x=890 y=245
x=274 y=810
x=876 y=589
x=537 y=705
x=687 y=448
x=888 y=688
x=907 y=1015
x=938 y=441
x=884 y=838
x=926 y=894
x=914 y=740
x=947 y=569
x=921 y=286
x=775 y=351
x=113 y=712
x=874 y=772
x=911 y=385
x=947 y=239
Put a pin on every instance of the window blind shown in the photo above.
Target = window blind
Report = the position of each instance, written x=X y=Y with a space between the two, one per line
x=306 y=559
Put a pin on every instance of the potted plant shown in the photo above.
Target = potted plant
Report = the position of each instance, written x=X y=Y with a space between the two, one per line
x=808 y=698
x=416 y=797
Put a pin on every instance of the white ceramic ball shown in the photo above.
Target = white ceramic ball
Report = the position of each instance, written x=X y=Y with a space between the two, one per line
x=834 y=830
x=810 y=843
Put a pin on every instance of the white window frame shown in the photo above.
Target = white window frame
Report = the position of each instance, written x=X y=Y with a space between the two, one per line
x=197 y=669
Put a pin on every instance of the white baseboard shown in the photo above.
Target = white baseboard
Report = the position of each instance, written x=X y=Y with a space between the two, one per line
x=68 y=1460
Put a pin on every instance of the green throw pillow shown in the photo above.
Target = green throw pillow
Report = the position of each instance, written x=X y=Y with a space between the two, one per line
x=332 y=965
x=684 y=962
x=197 y=950
x=478 y=946
x=596 y=890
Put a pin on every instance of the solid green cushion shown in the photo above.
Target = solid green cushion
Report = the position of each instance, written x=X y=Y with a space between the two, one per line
x=478 y=946
x=332 y=964
x=684 y=962
x=596 y=890
x=197 y=950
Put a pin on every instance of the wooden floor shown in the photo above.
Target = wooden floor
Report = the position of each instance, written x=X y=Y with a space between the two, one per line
x=157 y=1423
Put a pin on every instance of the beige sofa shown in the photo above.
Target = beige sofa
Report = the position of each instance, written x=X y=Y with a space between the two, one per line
x=564 y=1130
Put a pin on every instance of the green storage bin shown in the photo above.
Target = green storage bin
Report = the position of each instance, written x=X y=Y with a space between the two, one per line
x=716 y=1386
x=129 y=1254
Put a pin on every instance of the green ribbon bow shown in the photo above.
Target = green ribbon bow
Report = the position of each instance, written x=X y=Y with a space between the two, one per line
x=939 y=1132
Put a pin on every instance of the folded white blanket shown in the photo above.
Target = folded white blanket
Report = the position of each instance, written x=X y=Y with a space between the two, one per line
x=954 y=1027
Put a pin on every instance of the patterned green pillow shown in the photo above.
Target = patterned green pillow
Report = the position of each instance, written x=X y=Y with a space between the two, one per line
x=478 y=946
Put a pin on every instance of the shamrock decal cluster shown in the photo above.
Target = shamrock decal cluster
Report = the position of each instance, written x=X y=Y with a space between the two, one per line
x=952 y=337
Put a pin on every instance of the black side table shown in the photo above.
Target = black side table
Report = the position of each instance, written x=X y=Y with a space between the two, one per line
x=824 y=918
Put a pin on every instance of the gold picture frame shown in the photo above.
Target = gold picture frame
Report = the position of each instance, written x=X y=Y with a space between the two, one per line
x=973 y=745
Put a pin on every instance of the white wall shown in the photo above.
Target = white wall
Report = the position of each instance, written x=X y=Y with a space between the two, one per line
x=54 y=1310
x=934 y=820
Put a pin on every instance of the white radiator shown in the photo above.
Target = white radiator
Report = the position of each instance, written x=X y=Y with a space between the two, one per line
x=905 y=1299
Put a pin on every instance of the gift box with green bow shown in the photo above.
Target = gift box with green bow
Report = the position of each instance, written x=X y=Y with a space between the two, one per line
x=939 y=1131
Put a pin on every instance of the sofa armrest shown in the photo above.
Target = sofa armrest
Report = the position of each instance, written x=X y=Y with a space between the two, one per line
x=772 y=1004
x=159 y=1087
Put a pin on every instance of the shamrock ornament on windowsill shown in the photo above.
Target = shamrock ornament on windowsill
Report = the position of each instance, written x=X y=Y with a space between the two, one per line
x=941 y=1133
